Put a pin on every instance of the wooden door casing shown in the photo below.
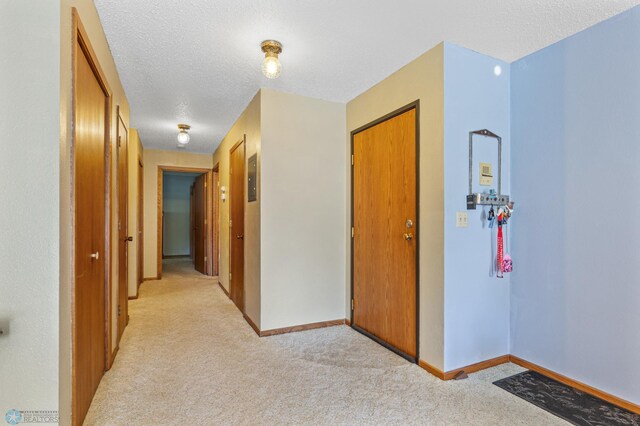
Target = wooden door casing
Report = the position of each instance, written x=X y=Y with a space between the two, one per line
x=192 y=224
x=122 y=180
x=199 y=216
x=207 y=174
x=236 y=225
x=384 y=245
x=91 y=117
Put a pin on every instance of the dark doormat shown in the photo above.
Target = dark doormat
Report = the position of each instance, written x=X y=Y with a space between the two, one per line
x=566 y=402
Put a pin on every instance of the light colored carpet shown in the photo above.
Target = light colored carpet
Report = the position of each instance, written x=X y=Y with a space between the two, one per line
x=189 y=358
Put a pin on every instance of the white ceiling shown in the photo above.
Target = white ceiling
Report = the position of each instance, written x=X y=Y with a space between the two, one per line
x=198 y=61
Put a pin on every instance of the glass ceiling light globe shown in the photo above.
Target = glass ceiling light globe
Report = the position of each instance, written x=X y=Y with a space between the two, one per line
x=183 y=137
x=271 y=67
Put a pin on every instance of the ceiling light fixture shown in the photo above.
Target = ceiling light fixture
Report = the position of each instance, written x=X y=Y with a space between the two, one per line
x=271 y=66
x=183 y=135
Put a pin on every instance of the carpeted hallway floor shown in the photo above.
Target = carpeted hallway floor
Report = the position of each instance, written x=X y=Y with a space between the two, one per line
x=189 y=358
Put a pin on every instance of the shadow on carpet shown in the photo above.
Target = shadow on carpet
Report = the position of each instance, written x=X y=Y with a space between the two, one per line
x=566 y=402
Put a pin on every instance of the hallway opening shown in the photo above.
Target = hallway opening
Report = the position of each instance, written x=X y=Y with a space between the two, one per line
x=185 y=210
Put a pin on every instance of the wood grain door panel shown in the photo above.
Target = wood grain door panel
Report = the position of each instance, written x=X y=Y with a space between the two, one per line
x=89 y=234
x=236 y=227
x=140 y=227
x=192 y=224
x=215 y=229
x=123 y=229
x=384 y=259
x=199 y=232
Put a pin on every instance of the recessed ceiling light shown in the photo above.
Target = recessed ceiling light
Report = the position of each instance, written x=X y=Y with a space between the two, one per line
x=271 y=66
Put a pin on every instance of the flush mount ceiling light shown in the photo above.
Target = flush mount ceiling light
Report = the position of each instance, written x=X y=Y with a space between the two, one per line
x=183 y=135
x=271 y=66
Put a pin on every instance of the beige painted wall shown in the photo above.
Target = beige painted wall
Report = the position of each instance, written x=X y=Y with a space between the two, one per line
x=303 y=225
x=153 y=158
x=295 y=234
x=92 y=25
x=135 y=152
x=30 y=200
x=421 y=79
x=247 y=124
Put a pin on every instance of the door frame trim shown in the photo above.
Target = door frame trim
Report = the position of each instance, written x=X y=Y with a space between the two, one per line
x=112 y=351
x=242 y=141
x=413 y=105
x=140 y=224
x=80 y=39
x=207 y=246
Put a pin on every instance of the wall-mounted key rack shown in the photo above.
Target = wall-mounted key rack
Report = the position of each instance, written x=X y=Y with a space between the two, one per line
x=484 y=199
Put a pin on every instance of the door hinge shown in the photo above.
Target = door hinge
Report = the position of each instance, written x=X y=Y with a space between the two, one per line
x=353 y=232
x=352 y=304
x=205 y=221
x=230 y=276
x=352 y=159
x=119 y=310
x=119 y=141
x=205 y=258
x=230 y=223
x=205 y=184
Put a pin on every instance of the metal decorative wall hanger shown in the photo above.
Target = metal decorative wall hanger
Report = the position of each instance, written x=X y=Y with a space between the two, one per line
x=492 y=198
x=503 y=262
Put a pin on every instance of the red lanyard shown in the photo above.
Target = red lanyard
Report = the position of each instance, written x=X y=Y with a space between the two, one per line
x=500 y=256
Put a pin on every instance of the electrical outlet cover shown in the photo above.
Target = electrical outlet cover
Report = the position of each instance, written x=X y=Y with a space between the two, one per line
x=462 y=220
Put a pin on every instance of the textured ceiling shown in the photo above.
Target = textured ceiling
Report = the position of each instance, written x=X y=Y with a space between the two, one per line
x=198 y=61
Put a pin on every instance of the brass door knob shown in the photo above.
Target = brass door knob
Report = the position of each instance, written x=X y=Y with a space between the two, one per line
x=128 y=238
x=239 y=237
x=408 y=236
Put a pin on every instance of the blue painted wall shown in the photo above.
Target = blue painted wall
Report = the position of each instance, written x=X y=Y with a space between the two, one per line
x=575 y=300
x=476 y=303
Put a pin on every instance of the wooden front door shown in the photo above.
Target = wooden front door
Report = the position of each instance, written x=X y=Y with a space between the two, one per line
x=122 y=179
x=385 y=232
x=236 y=224
x=140 y=228
x=90 y=131
x=199 y=232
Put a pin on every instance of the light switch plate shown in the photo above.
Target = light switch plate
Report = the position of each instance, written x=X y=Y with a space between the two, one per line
x=4 y=327
x=462 y=220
